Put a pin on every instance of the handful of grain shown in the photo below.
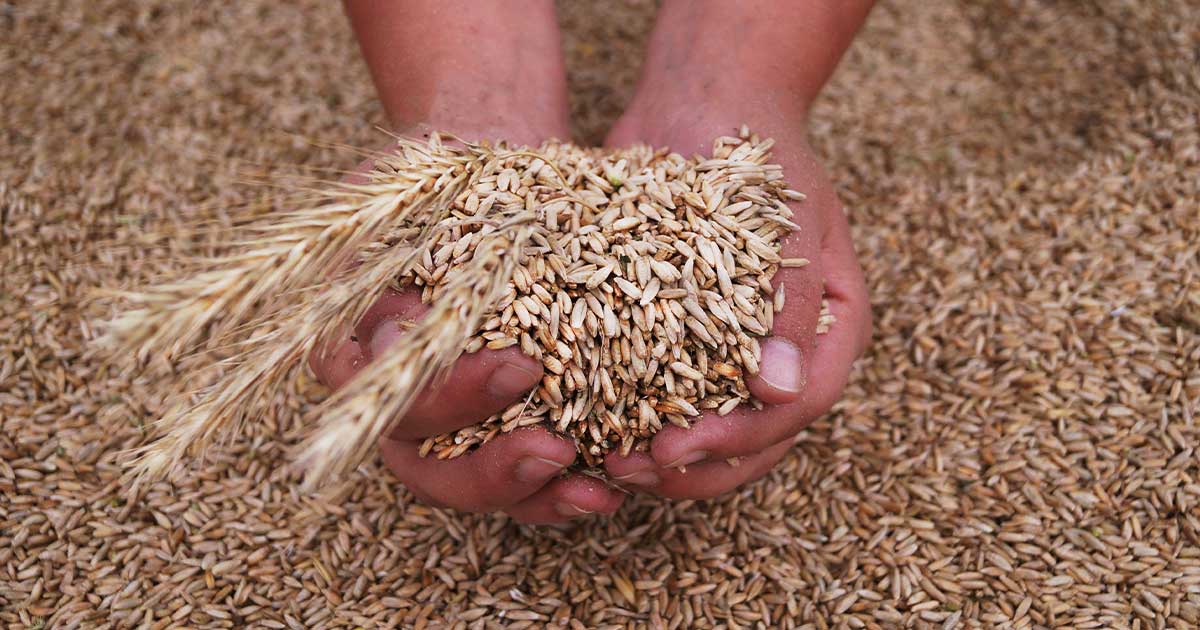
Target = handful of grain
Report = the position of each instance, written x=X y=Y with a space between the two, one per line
x=640 y=279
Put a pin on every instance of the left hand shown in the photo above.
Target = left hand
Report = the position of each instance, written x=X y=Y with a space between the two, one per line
x=802 y=374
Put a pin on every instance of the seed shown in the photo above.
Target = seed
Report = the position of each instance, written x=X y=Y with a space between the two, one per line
x=627 y=223
x=686 y=371
x=628 y=288
x=728 y=406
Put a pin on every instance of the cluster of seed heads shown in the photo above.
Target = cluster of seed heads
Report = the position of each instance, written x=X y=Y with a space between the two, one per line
x=639 y=278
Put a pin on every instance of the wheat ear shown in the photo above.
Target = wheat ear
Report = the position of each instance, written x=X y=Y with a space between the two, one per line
x=352 y=420
x=271 y=305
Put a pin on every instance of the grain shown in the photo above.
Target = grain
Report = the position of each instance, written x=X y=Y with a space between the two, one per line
x=1033 y=267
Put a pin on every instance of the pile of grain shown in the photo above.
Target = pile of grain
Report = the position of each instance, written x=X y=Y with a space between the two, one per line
x=1016 y=450
x=643 y=296
x=641 y=280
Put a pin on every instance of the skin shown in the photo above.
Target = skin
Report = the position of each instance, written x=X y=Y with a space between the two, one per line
x=486 y=70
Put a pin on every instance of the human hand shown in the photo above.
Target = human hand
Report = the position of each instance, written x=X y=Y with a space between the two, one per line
x=692 y=91
x=433 y=70
x=517 y=473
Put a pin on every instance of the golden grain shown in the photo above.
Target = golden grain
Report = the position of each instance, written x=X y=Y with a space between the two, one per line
x=488 y=269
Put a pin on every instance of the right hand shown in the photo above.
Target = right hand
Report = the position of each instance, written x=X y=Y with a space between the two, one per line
x=518 y=473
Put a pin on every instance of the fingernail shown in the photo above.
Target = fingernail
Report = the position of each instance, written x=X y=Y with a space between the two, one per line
x=782 y=365
x=640 y=478
x=384 y=335
x=567 y=509
x=534 y=469
x=688 y=459
x=511 y=380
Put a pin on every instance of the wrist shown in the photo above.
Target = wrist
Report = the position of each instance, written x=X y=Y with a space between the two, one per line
x=685 y=114
x=480 y=70
x=721 y=49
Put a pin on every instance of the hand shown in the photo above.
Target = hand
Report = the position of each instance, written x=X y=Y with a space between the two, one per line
x=689 y=95
x=517 y=473
x=433 y=71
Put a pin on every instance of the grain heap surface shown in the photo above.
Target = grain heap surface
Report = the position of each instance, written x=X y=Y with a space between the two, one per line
x=1017 y=449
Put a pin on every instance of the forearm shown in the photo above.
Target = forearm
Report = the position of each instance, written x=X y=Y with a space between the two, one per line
x=461 y=64
x=788 y=45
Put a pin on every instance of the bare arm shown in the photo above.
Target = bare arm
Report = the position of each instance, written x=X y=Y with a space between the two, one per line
x=789 y=45
x=478 y=68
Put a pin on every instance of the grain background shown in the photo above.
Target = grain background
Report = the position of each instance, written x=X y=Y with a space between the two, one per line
x=1018 y=449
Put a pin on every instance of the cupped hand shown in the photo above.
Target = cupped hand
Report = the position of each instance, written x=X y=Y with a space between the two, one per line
x=802 y=373
x=520 y=473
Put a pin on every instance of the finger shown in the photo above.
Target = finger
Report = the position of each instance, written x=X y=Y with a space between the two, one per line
x=565 y=499
x=841 y=276
x=821 y=371
x=393 y=305
x=335 y=363
x=477 y=386
x=831 y=360
x=498 y=475
x=337 y=360
x=801 y=286
x=746 y=431
x=785 y=361
x=699 y=481
x=845 y=287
